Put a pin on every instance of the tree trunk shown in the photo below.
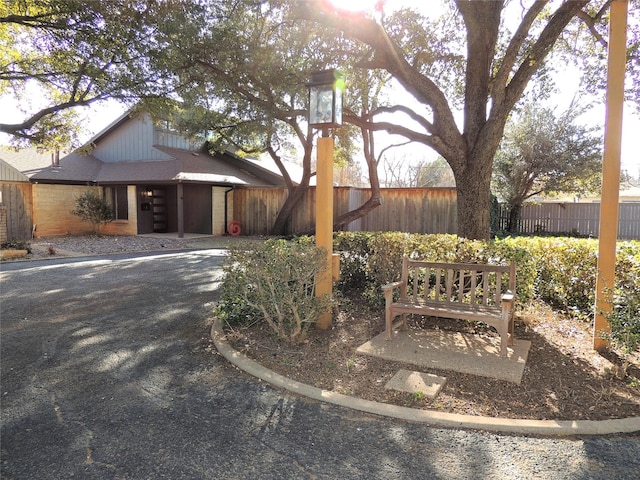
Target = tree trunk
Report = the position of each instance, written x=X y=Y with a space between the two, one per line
x=372 y=166
x=474 y=205
x=296 y=194
x=345 y=219
x=514 y=217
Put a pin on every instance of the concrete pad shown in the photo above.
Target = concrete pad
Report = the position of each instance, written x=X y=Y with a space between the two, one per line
x=459 y=352
x=413 y=382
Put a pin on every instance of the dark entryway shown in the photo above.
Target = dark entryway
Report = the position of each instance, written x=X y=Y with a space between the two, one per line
x=158 y=208
x=154 y=209
x=197 y=209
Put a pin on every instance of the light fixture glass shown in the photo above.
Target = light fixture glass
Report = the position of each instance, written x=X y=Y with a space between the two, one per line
x=325 y=99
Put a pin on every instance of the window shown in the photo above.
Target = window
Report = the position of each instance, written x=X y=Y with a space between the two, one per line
x=116 y=197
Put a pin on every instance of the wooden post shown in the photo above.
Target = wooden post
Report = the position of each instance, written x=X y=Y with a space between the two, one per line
x=324 y=222
x=605 y=280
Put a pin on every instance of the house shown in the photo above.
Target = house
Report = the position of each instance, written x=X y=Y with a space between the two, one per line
x=156 y=180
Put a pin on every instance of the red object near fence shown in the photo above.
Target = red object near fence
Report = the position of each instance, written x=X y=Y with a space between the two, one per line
x=234 y=228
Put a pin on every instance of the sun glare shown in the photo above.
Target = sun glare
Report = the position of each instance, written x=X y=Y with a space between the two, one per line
x=367 y=6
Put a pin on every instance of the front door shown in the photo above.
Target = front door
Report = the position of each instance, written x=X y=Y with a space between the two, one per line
x=160 y=212
x=153 y=210
x=145 y=210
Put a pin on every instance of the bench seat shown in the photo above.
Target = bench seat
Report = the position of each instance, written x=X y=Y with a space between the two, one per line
x=474 y=292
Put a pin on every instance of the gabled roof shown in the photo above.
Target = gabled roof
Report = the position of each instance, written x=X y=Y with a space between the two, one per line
x=73 y=168
x=133 y=149
x=184 y=166
x=21 y=164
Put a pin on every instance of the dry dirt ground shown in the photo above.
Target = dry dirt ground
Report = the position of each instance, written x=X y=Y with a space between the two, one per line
x=563 y=379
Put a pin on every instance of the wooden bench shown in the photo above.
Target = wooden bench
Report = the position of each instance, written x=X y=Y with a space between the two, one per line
x=469 y=291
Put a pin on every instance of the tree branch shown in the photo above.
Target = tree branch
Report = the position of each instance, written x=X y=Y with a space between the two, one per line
x=590 y=22
x=390 y=57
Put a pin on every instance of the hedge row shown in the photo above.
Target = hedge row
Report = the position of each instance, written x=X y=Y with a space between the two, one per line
x=559 y=271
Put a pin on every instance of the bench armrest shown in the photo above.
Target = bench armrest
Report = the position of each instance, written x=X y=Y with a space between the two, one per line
x=391 y=286
x=507 y=297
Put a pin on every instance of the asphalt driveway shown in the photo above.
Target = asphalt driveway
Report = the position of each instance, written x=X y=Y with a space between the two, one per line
x=107 y=372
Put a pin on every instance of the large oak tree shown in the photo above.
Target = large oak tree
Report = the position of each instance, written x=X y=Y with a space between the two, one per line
x=497 y=66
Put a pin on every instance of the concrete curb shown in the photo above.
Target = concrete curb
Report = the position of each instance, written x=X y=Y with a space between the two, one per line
x=438 y=419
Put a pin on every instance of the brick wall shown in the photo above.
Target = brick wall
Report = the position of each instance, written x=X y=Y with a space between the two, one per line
x=52 y=206
x=217 y=221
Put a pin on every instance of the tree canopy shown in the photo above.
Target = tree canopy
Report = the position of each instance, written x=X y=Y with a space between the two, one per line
x=72 y=53
x=545 y=153
x=497 y=62
x=244 y=63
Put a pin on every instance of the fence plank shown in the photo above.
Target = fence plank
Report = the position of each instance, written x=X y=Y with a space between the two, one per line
x=579 y=218
x=16 y=197
x=421 y=210
x=426 y=210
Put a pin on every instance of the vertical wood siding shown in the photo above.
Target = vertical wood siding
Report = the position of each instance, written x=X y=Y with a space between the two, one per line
x=134 y=142
x=430 y=210
x=17 y=221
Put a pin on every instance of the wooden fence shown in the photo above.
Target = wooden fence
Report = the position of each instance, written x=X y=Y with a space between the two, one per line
x=425 y=210
x=428 y=210
x=16 y=203
x=581 y=218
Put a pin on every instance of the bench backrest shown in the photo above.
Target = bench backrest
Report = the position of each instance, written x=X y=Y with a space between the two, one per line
x=469 y=283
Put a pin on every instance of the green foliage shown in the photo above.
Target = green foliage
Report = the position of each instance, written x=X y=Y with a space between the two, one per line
x=559 y=271
x=274 y=281
x=566 y=273
x=625 y=321
x=354 y=255
x=92 y=208
x=370 y=260
x=544 y=153
x=625 y=317
x=71 y=53
x=276 y=278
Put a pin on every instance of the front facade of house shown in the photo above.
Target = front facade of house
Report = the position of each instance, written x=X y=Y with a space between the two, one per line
x=156 y=180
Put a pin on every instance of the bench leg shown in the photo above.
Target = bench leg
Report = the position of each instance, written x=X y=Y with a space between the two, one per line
x=388 y=321
x=506 y=332
x=511 y=337
x=403 y=322
x=504 y=338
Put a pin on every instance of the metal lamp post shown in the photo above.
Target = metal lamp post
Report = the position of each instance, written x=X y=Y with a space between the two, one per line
x=325 y=112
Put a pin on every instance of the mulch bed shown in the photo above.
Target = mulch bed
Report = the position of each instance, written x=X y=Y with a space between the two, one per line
x=564 y=378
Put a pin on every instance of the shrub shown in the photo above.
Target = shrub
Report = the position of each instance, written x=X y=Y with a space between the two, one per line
x=380 y=261
x=625 y=321
x=16 y=245
x=625 y=316
x=566 y=273
x=354 y=254
x=274 y=281
x=557 y=270
x=92 y=208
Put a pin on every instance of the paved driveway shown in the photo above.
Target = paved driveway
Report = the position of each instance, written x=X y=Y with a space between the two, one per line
x=107 y=373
